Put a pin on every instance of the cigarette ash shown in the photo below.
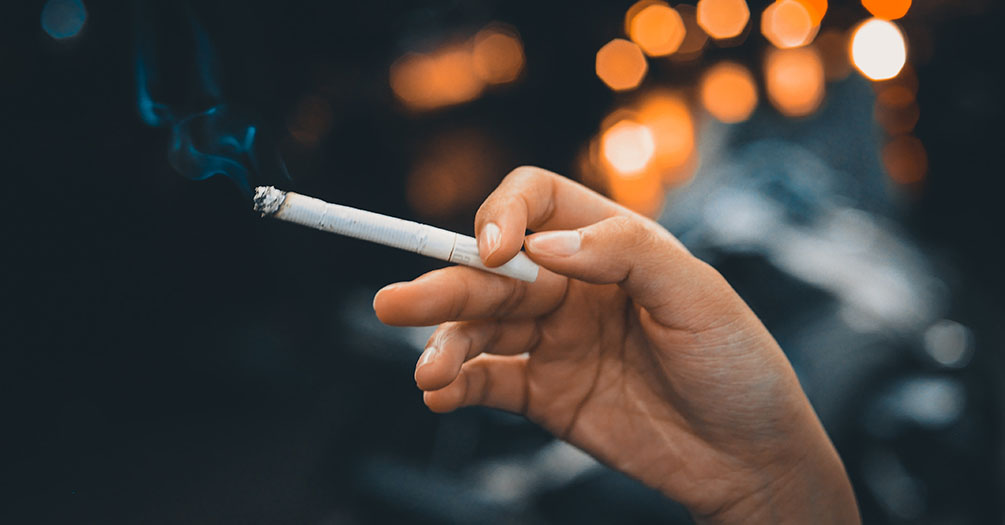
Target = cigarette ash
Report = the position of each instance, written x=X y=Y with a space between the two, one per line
x=268 y=199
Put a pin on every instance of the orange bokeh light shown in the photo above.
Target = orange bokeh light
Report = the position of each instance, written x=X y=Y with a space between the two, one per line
x=452 y=174
x=637 y=8
x=311 y=120
x=723 y=18
x=794 y=79
x=816 y=8
x=657 y=28
x=895 y=96
x=443 y=78
x=787 y=24
x=728 y=92
x=668 y=117
x=905 y=160
x=641 y=191
x=497 y=55
x=458 y=72
x=907 y=78
x=621 y=64
x=897 y=120
x=643 y=194
x=695 y=37
x=887 y=9
x=896 y=108
x=833 y=48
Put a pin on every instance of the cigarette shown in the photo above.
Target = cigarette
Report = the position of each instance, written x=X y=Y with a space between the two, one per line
x=390 y=231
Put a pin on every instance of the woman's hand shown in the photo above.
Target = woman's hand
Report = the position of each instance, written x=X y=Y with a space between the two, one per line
x=628 y=347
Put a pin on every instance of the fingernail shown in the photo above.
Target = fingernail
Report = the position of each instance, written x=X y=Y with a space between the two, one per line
x=488 y=241
x=556 y=244
x=427 y=357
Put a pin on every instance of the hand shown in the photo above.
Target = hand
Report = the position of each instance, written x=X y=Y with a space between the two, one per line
x=628 y=347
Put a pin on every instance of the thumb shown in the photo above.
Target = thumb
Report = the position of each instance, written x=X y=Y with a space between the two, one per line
x=651 y=265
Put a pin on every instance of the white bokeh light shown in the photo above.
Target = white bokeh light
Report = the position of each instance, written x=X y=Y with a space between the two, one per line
x=878 y=49
x=628 y=146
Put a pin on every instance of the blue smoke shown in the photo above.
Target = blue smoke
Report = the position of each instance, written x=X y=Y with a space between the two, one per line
x=208 y=137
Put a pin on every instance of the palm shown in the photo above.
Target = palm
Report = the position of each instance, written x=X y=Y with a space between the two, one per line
x=599 y=379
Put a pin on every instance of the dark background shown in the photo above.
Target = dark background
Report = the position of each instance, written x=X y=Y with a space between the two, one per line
x=169 y=357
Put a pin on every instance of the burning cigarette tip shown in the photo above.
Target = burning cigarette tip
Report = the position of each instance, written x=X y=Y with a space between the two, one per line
x=268 y=199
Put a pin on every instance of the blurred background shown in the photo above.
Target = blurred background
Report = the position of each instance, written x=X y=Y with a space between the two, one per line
x=170 y=357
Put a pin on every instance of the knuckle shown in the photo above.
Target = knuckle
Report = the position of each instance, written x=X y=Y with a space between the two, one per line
x=444 y=333
x=460 y=303
x=512 y=299
x=513 y=186
x=527 y=175
x=626 y=231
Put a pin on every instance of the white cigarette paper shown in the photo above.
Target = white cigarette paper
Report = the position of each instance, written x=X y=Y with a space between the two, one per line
x=398 y=233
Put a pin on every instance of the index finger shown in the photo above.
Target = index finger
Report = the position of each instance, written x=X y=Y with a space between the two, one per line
x=536 y=199
x=460 y=293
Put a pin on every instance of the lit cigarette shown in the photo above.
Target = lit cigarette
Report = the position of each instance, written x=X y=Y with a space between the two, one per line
x=389 y=231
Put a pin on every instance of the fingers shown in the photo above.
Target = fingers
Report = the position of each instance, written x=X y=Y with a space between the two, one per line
x=454 y=343
x=677 y=289
x=461 y=293
x=487 y=380
x=536 y=199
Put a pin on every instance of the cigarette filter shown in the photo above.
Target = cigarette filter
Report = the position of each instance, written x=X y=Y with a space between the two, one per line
x=389 y=231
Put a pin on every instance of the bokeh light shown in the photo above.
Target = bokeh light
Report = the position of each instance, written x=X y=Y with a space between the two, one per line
x=816 y=8
x=621 y=64
x=905 y=160
x=794 y=79
x=637 y=8
x=667 y=116
x=897 y=119
x=887 y=9
x=833 y=48
x=896 y=108
x=878 y=49
x=728 y=92
x=657 y=28
x=443 y=78
x=723 y=18
x=497 y=55
x=458 y=72
x=454 y=171
x=311 y=120
x=787 y=24
x=895 y=96
x=641 y=191
x=695 y=37
x=63 y=18
x=628 y=147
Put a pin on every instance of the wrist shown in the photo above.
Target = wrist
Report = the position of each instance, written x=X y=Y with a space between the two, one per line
x=811 y=488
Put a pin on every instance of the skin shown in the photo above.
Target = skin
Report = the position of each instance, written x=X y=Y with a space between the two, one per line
x=628 y=347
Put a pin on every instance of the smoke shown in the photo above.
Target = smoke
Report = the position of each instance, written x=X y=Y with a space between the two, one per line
x=178 y=87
